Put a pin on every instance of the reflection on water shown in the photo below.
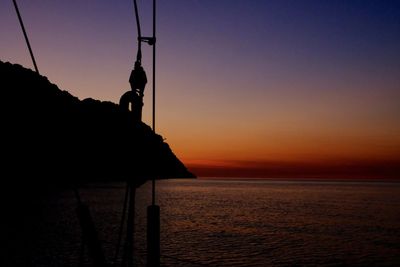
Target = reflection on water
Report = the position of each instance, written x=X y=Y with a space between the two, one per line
x=239 y=223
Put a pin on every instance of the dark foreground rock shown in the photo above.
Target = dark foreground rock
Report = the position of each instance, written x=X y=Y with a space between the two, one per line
x=53 y=143
x=51 y=136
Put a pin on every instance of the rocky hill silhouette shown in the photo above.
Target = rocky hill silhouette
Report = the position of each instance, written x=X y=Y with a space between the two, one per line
x=52 y=136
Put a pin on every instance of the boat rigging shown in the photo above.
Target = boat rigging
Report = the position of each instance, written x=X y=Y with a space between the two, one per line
x=138 y=81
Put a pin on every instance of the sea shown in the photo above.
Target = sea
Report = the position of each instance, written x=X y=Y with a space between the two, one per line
x=232 y=222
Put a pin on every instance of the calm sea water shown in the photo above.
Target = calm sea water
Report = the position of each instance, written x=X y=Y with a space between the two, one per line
x=237 y=223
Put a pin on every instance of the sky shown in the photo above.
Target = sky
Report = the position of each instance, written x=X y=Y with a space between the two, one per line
x=278 y=88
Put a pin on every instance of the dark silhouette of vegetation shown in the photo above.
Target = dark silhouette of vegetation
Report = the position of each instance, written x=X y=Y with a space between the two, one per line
x=51 y=136
x=53 y=142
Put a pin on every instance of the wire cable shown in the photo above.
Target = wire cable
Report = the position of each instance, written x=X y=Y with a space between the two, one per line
x=153 y=198
x=139 y=32
x=26 y=36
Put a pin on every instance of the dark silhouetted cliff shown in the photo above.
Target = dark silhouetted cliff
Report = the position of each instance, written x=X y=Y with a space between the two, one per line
x=50 y=135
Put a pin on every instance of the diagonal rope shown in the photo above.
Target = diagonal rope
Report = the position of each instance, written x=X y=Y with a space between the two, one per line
x=25 y=35
x=121 y=224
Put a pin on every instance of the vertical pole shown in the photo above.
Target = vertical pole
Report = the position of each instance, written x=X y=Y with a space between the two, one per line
x=153 y=199
x=153 y=211
x=26 y=36
x=154 y=65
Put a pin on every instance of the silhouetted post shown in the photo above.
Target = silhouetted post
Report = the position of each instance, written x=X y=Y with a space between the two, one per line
x=138 y=81
x=153 y=211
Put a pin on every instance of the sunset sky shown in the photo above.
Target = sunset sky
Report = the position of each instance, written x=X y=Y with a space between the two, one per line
x=258 y=88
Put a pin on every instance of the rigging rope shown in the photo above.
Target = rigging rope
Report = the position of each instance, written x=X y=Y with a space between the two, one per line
x=89 y=233
x=139 y=38
x=26 y=36
x=150 y=41
x=121 y=224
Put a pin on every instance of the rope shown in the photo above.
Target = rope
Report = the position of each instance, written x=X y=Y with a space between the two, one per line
x=128 y=257
x=89 y=233
x=122 y=224
x=139 y=38
x=150 y=41
x=26 y=36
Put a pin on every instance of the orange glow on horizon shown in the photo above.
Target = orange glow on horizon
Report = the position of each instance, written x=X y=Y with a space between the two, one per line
x=378 y=169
